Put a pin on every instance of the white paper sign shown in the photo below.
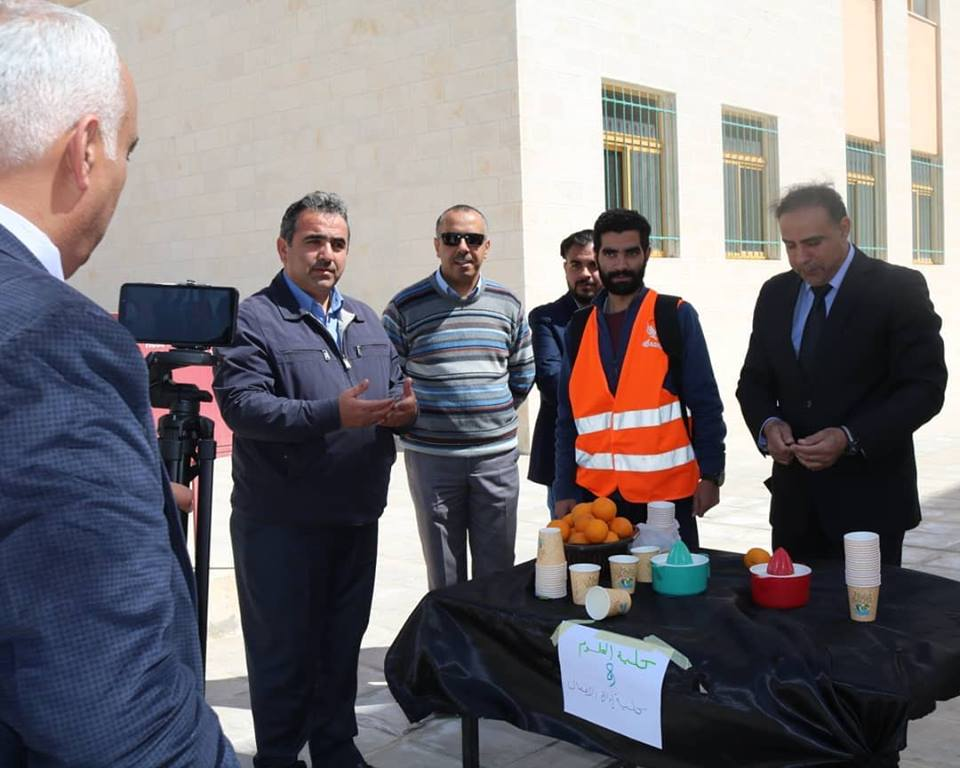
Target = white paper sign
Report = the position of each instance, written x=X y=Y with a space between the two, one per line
x=614 y=684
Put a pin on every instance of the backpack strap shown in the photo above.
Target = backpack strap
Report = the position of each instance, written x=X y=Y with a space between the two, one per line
x=576 y=327
x=666 y=318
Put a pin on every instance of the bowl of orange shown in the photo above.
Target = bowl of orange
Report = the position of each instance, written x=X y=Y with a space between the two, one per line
x=592 y=532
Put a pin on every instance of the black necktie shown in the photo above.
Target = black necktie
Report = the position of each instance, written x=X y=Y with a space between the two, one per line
x=813 y=328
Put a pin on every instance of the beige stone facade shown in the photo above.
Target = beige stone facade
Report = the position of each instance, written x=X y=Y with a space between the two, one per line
x=407 y=106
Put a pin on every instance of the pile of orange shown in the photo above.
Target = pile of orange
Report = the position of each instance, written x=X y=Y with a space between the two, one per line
x=594 y=522
x=755 y=556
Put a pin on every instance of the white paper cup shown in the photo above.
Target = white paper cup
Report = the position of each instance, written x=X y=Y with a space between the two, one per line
x=550 y=581
x=861 y=544
x=661 y=514
x=583 y=577
x=861 y=538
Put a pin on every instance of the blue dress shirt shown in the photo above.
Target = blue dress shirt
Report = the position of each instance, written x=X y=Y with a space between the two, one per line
x=330 y=318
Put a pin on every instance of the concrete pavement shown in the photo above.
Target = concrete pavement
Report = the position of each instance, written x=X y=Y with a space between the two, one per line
x=389 y=741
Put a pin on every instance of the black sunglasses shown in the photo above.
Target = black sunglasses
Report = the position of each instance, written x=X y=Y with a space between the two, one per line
x=453 y=238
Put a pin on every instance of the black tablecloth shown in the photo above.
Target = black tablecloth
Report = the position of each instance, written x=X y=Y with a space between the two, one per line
x=806 y=687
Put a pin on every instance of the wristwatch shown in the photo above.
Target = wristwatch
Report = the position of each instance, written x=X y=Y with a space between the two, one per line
x=853 y=445
x=717 y=479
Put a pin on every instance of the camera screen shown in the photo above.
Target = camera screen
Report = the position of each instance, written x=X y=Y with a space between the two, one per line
x=185 y=315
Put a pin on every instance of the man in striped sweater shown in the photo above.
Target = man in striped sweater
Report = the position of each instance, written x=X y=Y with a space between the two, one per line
x=465 y=343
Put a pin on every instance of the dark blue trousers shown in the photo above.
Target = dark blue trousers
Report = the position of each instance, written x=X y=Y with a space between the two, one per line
x=305 y=595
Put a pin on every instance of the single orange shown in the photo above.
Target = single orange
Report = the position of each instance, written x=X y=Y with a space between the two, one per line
x=568 y=519
x=596 y=531
x=585 y=508
x=622 y=527
x=611 y=537
x=581 y=521
x=577 y=538
x=563 y=525
x=755 y=556
x=604 y=509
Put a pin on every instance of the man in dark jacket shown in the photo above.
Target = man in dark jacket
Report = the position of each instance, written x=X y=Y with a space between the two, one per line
x=311 y=390
x=845 y=363
x=548 y=322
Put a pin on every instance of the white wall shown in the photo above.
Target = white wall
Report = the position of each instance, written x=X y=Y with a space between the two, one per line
x=403 y=107
x=406 y=106
x=782 y=59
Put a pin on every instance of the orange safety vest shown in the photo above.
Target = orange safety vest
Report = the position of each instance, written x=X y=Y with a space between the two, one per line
x=635 y=440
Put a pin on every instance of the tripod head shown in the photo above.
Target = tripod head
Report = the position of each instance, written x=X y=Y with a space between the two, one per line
x=178 y=398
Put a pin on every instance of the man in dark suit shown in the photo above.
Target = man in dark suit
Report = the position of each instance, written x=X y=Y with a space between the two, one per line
x=845 y=362
x=548 y=322
x=99 y=651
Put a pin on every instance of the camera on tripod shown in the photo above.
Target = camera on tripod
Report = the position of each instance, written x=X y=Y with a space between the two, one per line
x=191 y=318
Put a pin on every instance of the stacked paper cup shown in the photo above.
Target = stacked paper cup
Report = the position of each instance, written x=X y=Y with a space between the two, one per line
x=550 y=580
x=661 y=514
x=862 y=556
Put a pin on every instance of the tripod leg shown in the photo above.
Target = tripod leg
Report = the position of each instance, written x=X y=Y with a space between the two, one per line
x=206 y=453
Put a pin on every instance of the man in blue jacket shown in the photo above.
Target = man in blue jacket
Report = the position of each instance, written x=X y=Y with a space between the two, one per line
x=548 y=323
x=311 y=389
x=99 y=650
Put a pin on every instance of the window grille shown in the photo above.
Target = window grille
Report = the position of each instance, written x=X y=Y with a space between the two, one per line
x=867 y=197
x=750 y=184
x=927 y=178
x=640 y=160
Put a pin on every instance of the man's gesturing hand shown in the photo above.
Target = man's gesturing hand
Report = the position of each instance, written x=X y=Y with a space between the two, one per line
x=404 y=409
x=355 y=412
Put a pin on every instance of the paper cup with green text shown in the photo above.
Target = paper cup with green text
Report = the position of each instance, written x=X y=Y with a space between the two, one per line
x=644 y=555
x=583 y=576
x=623 y=572
x=550 y=549
x=863 y=602
x=602 y=603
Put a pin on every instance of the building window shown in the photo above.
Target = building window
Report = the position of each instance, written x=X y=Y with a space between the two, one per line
x=640 y=160
x=925 y=8
x=866 y=196
x=927 y=177
x=750 y=184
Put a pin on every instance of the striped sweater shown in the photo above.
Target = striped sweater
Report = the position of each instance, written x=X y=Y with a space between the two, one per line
x=471 y=362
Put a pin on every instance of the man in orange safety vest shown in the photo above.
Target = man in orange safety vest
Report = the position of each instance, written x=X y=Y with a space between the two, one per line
x=639 y=416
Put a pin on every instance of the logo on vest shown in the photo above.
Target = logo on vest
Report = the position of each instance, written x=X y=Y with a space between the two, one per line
x=651 y=340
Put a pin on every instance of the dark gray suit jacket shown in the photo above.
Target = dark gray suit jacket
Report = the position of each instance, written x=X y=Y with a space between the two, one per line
x=99 y=651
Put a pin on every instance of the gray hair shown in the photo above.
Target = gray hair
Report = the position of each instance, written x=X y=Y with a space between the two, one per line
x=464 y=208
x=322 y=202
x=812 y=196
x=56 y=65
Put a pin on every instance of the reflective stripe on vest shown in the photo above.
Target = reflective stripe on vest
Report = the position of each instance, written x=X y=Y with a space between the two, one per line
x=634 y=441
x=636 y=463
x=649 y=417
